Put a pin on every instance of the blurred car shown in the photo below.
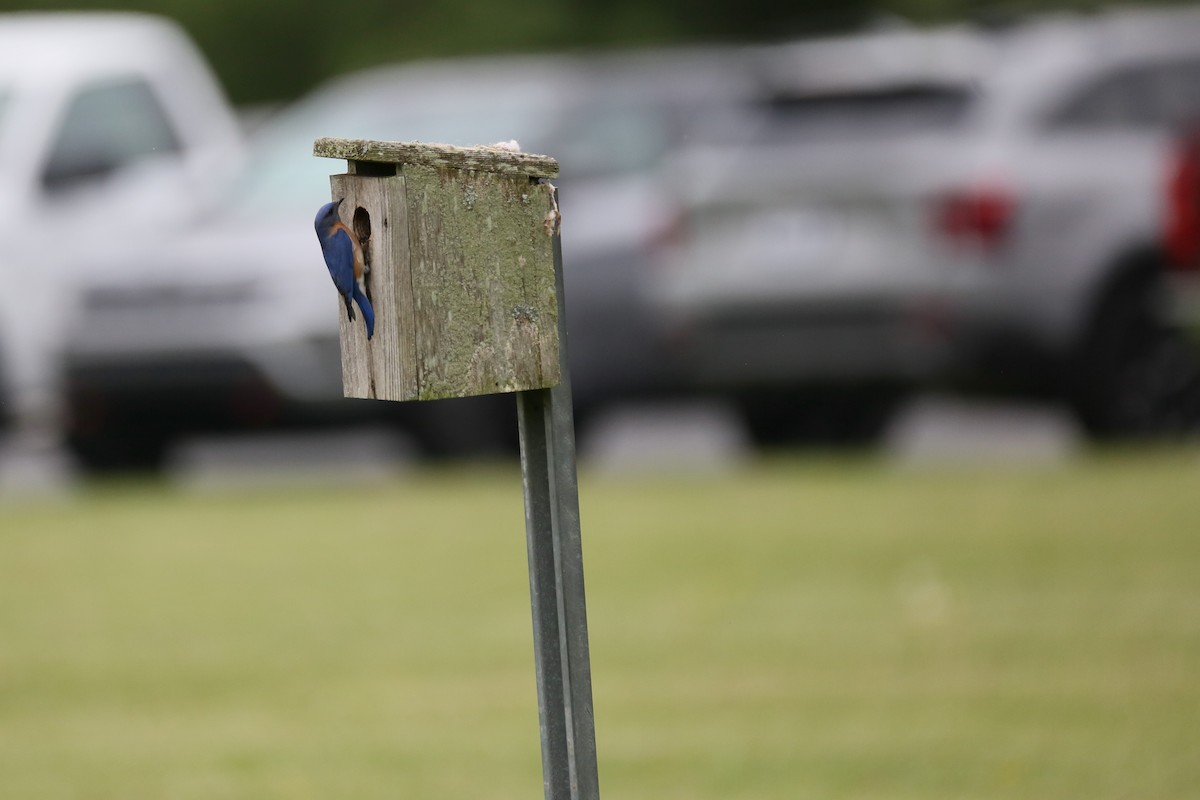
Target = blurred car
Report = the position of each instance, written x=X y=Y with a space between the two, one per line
x=1172 y=324
x=6 y=409
x=1076 y=133
x=111 y=128
x=234 y=325
x=978 y=207
x=803 y=284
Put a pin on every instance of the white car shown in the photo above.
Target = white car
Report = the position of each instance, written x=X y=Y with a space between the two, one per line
x=112 y=128
x=976 y=206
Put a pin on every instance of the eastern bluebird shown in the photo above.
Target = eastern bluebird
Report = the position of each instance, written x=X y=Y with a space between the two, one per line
x=344 y=258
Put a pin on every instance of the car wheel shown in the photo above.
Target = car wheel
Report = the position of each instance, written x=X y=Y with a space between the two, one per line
x=110 y=454
x=1135 y=376
x=465 y=427
x=834 y=417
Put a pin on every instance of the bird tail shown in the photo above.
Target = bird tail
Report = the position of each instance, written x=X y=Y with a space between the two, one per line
x=364 y=305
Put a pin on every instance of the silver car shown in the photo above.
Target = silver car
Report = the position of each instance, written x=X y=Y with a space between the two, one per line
x=981 y=207
x=805 y=283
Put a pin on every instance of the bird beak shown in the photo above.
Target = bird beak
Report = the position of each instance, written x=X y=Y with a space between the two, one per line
x=337 y=206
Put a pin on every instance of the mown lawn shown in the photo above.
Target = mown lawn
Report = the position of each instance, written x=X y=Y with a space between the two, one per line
x=797 y=629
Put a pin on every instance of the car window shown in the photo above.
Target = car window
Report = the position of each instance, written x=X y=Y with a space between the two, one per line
x=283 y=177
x=107 y=126
x=601 y=138
x=869 y=112
x=1179 y=92
x=1144 y=96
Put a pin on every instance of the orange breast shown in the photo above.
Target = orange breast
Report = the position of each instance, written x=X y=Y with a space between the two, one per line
x=358 y=256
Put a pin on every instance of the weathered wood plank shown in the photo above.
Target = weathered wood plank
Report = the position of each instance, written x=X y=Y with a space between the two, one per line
x=385 y=367
x=429 y=154
x=482 y=281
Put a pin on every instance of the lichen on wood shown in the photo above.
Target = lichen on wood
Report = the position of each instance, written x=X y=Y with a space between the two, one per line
x=483 y=282
x=462 y=283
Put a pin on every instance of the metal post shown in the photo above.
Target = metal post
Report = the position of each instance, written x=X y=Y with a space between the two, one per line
x=560 y=640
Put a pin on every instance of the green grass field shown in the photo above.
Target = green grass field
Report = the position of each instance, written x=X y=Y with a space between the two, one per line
x=796 y=629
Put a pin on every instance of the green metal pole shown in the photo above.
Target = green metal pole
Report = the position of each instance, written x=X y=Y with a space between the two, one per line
x=556 y=591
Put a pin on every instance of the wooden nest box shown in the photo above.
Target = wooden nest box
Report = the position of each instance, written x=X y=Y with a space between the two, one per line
x=459 y=245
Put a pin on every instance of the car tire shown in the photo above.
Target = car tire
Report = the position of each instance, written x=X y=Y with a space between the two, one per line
x=111 y=454
x=464 y=427
x=1134 y=375
x=831 y=418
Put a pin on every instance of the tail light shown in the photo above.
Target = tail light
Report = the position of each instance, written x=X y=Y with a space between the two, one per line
x=979 y=217
x=1182 y=223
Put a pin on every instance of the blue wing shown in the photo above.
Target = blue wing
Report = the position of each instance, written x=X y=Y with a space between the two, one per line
x=339 y=258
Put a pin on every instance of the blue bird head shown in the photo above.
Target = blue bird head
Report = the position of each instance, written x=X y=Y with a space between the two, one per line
x=327 y=215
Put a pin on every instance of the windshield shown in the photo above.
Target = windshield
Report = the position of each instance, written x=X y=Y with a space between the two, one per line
x=283 y=176
x=592 y=133
x=879 y=112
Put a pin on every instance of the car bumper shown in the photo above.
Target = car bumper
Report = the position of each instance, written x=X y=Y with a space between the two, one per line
x=795 y=345
x=199 y=391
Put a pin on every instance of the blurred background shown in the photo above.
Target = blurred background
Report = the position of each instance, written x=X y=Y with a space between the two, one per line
x=803 y=235
x=883 y=327
x=802 y=224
